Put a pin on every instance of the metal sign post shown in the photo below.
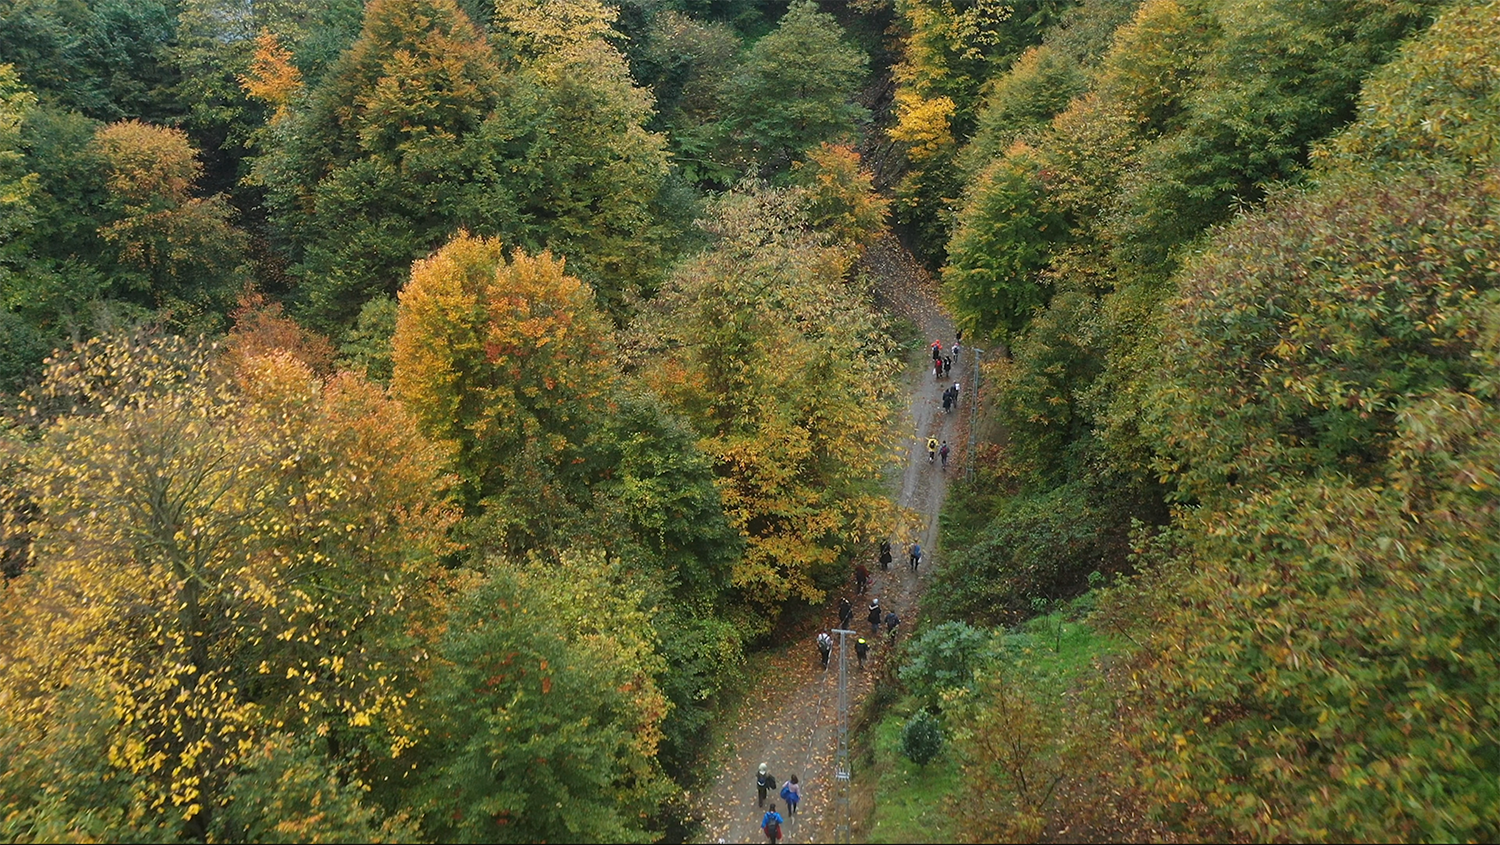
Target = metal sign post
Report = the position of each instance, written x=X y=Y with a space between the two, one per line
x=841 y=832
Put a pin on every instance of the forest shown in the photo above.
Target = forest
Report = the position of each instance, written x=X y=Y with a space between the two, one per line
x=418 y=418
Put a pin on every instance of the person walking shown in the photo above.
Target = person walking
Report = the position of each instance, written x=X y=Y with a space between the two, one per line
x=846 y=613
x=885 y=555
x=937 y=349
x=770 y=824
x=874 y=617
x=861 y=579
x=891 y=621
x=947 y=399
x=932 y=445
x=943 y=454
x=861 y=650
x=825 y=647
x=947 y=365
x=791 y=793
x=937 y=368
x=764 y=783
x=916 y=556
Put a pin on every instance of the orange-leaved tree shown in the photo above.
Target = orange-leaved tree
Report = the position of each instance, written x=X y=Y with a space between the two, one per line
x=174 y=251
x=511 y=363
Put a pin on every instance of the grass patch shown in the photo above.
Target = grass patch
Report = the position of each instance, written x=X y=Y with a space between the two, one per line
x=1050 y=662
x=1057 y=645
x=911 y=802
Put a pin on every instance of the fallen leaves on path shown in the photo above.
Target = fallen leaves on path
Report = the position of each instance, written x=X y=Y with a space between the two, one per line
x=790 y=723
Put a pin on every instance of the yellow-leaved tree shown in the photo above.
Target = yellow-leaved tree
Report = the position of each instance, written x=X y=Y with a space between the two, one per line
x=775 y=355
x=229 y=569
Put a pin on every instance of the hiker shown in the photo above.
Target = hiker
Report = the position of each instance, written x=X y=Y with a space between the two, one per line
x=791 y=793
x=955 y=350
x=846 y=613
x=885 y=555
x=947 y=365
x=861 y=650
x=916 y=556
x=874 y=617
x=825 y=646
x=861 y=579
x=764 y=782
x=770 y=824
x=932 y=445
x=937 y=367
x=943 y=453
x=891 y=621
x=937 y=349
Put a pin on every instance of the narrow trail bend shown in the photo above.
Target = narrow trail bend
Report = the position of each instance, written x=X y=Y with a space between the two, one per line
x=792 y=723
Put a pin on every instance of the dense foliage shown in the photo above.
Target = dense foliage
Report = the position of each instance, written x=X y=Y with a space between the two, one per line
x=415 y=409
x=346 y=495
x=1245 y=278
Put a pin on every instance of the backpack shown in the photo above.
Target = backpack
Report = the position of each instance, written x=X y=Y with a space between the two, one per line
x=773 y=831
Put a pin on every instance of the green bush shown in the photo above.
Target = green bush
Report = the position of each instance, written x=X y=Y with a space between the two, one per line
x=922 y=738
x=1041 y=543
x=942 y=658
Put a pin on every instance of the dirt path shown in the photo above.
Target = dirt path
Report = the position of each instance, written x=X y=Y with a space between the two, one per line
x=791 y=725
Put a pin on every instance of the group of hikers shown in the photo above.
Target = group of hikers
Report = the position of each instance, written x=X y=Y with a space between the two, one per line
x=950 y=397
x=935 y=451
x=942 y=364
x=791 y=791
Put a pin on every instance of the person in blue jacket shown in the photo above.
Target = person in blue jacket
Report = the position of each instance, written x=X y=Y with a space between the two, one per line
x=770 y=824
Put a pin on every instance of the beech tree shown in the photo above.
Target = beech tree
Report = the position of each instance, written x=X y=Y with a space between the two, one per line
x=217 y=558
x=545 y=715
x=775 y=357
x=423 y=128
x=510 y=362
x=177 y=253
x=810 y=74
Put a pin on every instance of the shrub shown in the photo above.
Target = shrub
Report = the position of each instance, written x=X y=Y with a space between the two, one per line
x=943 y=658
x=922 y=738
x=1040 y=543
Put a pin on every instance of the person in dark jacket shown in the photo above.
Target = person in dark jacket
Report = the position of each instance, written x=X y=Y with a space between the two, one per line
x=763 y=783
